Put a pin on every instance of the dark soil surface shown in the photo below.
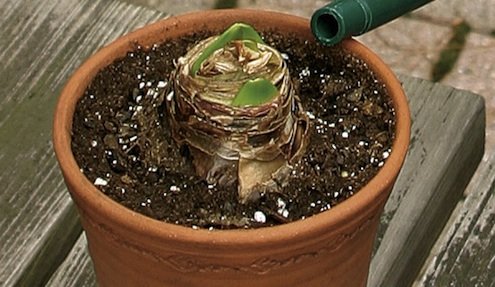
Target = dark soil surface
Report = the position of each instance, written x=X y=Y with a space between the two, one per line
x=122 y=142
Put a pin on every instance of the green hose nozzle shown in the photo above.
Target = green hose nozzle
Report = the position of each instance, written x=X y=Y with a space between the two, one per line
x=344 y=18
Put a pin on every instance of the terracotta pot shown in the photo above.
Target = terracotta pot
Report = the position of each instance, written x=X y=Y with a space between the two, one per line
x=332 y=248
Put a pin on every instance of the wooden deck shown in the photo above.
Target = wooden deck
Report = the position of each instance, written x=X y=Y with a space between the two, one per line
x=434 y=231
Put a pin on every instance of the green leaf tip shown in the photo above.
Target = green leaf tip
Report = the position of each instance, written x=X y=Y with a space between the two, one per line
x=254 y=93
x=238 y=31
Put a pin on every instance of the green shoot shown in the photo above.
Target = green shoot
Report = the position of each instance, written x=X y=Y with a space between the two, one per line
x=238 y=31
x=254 y=93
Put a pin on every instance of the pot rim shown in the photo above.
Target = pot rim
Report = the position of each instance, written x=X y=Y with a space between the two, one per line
x=352 y=209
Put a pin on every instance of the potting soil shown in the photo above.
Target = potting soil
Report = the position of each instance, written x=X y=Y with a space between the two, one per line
x=122 y=142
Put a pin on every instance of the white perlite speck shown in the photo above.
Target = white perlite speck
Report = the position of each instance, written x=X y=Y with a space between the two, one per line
x=259 y=217
x=100 y=181
x=161 y=84
x=386 y=154
x=170 y=96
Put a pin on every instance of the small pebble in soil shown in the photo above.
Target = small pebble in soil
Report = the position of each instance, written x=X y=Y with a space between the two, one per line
x=121 y=131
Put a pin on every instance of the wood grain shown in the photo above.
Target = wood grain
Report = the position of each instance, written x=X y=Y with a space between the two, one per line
x=446 y=146
x=464 y=254
x=40 y=45
x=77 y=269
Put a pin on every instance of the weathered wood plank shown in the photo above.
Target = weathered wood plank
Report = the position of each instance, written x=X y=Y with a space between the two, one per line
x=428 y=180
x=446 y=146
x=77 y=270
x=464 y=254
x=40 y=45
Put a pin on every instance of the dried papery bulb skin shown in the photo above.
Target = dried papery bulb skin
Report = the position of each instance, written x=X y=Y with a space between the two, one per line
x=235 y=139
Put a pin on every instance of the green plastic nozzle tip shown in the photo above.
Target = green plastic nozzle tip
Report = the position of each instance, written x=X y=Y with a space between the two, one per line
x=339 y=20
x=344 y=18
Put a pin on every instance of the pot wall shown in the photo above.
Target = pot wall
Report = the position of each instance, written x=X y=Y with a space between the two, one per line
x=338 y=258
x=129 y=249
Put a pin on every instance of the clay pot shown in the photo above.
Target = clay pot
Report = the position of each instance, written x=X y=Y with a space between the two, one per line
x=332 y=248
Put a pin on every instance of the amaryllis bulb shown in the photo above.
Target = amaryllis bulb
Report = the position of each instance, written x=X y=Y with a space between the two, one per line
x=232 y=102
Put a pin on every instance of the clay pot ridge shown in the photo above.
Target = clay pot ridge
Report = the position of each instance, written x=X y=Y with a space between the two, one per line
x=122 y=221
